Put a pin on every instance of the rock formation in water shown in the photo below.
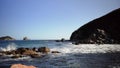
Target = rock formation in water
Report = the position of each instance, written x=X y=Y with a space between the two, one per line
x=104 y=30
x=62 y=40
x=6 y=38
x=25 y=38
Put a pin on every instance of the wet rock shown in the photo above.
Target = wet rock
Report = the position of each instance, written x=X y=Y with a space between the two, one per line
x=43 y=49
x=21 y=50
x=34 y=49
x=29 y=52
x=21 y=66
x=55 y=52
x=36 y=56
x=16 y=56
x=24 y=51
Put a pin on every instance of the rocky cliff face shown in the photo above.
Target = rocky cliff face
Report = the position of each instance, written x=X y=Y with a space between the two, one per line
x=105 y=29
x=6 y=38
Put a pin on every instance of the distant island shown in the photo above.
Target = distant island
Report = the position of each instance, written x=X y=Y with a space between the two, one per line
x=11 y=38
x=104 y=30
x=6 y=38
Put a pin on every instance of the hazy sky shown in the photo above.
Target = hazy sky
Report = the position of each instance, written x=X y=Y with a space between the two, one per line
x=49 y=19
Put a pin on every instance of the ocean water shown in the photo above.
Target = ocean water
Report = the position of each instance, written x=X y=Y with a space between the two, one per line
x=71 y=56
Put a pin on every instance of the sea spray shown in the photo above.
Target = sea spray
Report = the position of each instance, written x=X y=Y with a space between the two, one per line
x=11 y=46
x=87 y=48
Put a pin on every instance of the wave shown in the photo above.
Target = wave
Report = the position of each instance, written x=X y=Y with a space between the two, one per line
x=9 y=47
x=87 y=48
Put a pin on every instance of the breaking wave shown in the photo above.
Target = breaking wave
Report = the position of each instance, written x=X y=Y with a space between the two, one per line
x=88 y=48
x=11 y=46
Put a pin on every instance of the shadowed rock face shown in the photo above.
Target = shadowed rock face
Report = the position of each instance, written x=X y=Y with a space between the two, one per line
x=108 y=24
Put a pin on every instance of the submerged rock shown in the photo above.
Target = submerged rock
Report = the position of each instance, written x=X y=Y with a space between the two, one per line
x=43 y=49
x=36 y=56
x=21 y=66
x=55 y=52
x=62 y=40
x=16 y=56
x=104 y=30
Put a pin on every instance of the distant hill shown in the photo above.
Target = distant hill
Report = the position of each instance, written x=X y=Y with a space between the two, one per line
x=105 y=29
x=6 y=38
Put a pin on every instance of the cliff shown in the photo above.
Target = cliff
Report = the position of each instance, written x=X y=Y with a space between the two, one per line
x=105 y=29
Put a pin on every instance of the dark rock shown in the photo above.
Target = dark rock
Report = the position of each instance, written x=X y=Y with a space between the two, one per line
x=25 y=51
x=55 y=52
x=21 y=50
x=104 y=30
x=36 y=56
x=34 y=49
x=25 y=38
x=62 y=40
x=43 y=49
x=29 y=52
x=6 y=38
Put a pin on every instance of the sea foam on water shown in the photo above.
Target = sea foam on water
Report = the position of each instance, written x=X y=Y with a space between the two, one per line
x=10 y=47
x=88 y=48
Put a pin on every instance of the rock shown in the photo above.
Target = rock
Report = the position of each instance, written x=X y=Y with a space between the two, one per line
x=43 y=49
x=21 y=50
x=34 y=49
x=104 y=30
x=62 y=40
x=36 y=56
x=16 y=56
x=21 y=66
x=6 y=38
x=29 y=52
x=55 y=52
x=25 y=51
x=25 y=38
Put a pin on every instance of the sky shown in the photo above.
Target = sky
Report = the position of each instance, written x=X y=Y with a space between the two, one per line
x=49 y=19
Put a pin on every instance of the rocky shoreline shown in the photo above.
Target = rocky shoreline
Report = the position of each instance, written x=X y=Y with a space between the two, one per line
x=31 y=52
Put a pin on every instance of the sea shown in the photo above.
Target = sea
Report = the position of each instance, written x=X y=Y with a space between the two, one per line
x=71 y=56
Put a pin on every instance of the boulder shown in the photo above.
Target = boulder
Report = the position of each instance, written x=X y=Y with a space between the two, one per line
x=25 y=51
x=43 y=49
x=21 y=66
x=21 y=50
x=29 y=52
x=104 y=30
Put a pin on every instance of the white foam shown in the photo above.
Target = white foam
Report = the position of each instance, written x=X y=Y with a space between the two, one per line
x=11 y=46
x=87 y=48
